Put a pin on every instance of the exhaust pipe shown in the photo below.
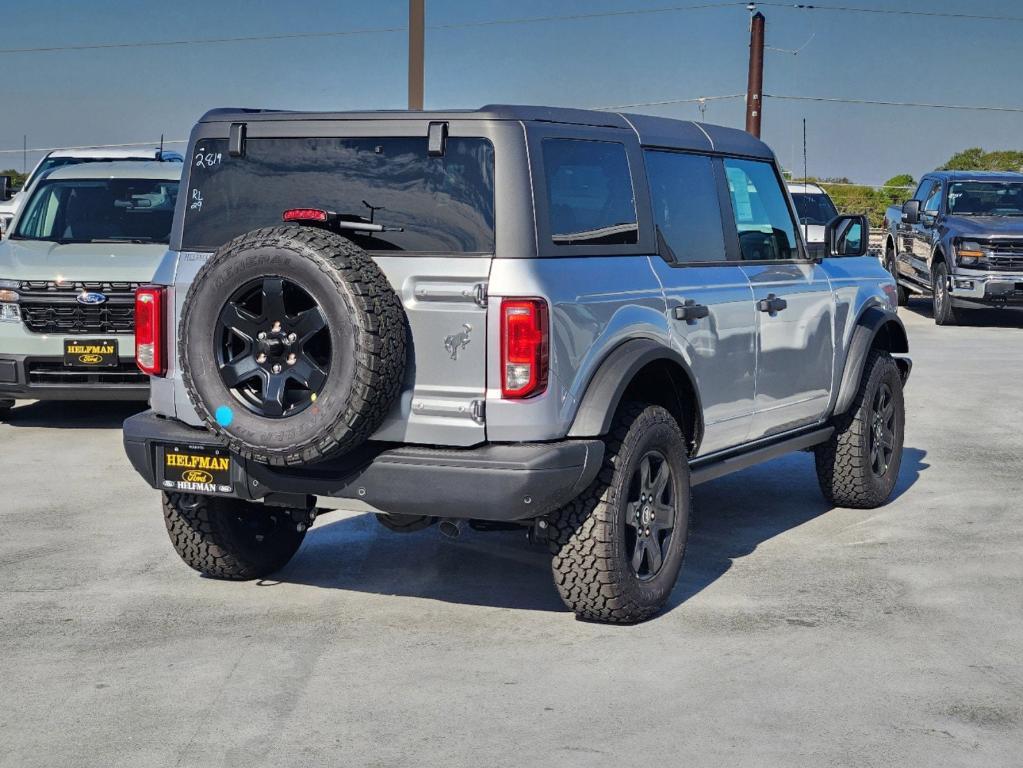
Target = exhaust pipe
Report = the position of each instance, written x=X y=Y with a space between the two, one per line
x=451 y=528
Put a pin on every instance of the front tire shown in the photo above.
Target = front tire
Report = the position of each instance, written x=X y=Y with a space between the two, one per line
x=618 y=548
x=859 y=465
x=892 y=266
x=232 y=539
x=944 y=312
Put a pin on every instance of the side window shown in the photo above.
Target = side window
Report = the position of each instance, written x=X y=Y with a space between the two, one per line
x=762 y=217
x=684 y=194
x=921 y=191
x=589 y=193
x=932 y=203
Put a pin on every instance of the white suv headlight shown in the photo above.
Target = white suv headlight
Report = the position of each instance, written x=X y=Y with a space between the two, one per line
x=9 y=311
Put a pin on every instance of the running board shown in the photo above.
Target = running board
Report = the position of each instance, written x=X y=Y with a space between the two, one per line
x=911 y=286
x=708 y=468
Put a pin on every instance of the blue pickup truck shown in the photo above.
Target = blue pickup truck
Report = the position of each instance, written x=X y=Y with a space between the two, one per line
x=959 y=241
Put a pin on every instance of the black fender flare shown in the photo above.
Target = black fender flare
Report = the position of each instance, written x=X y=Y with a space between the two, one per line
x=614 y=375
x=875 y=327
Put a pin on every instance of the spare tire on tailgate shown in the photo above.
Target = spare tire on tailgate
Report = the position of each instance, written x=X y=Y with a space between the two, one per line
x=292 y=344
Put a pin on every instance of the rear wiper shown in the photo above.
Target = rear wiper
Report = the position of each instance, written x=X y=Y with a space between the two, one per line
x=334 y=220
x=118 y=240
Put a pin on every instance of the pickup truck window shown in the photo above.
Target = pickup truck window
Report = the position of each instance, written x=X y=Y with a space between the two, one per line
x=684 y=193
x=100 y=210
x=589 y=193
x=763 y=221
x=985 y=198
x=932 y=203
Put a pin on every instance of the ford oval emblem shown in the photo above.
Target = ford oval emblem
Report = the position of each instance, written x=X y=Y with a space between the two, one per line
x=91 y=298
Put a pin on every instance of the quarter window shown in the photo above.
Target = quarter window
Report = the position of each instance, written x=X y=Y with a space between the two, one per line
x=687 y=212
x=762 y=217
x=590 y=198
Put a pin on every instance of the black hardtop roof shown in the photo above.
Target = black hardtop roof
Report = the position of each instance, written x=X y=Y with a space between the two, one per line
x=976 y=175
x=652 y=131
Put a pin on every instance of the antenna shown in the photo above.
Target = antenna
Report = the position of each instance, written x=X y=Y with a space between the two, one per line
x=806 y=180
x=161 y=146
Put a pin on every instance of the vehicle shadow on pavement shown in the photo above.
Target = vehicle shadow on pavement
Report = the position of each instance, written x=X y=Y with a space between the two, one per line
x=77 y=414
x=1010 y=317
x=733 y=516
x=498 y=569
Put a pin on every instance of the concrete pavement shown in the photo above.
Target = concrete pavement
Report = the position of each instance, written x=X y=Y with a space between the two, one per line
x=798 y=635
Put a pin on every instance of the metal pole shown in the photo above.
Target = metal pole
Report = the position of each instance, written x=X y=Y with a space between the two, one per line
x=755 y=85
x=416 y=49
x=24 y=154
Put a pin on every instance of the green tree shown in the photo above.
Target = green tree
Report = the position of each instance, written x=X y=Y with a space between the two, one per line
x=17 y=178
x=977 y=159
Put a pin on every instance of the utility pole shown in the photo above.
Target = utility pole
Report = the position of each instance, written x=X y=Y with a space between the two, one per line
x=416 y=49
x=755 y=86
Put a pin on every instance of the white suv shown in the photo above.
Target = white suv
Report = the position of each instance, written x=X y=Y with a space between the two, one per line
x=61 y=157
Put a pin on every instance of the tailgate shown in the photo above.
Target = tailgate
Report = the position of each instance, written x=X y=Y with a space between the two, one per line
x=445 y=381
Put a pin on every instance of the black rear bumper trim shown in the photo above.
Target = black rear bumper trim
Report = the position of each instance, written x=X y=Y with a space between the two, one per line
x=496 y=481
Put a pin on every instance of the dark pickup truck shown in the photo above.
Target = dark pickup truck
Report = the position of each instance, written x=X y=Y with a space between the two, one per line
x=960 y=241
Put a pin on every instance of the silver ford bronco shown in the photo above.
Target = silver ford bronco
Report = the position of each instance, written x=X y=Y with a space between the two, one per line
x=517 y=316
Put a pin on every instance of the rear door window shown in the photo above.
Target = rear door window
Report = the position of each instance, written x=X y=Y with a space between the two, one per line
x=428 y=204
x=687 y=211
x=590 y=197
x=762 y=217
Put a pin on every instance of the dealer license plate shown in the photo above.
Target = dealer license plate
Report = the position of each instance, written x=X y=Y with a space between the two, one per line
x=196 y=470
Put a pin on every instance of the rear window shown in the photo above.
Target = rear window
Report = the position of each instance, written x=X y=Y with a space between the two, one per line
x=589 y=193
x=439 y=204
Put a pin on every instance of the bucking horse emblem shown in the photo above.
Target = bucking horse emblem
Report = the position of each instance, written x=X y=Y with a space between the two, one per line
x=458 y=341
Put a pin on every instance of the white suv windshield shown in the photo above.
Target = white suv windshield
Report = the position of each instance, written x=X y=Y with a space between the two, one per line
x=99 y=210
x=814 y=209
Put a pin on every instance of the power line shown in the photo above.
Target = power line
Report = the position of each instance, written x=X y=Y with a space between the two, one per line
x=693 y=100
x=374 y=30
x=889 y=11
x=879 y=102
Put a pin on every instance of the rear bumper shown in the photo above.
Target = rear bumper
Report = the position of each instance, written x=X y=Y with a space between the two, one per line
x=31 y=377
x=493 y=482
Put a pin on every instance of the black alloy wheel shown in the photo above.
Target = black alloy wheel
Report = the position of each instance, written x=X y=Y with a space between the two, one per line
x=882 y=430
x=272 y=347
x=649 y=515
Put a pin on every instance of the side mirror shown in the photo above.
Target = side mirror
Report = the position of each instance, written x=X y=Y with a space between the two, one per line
x=5 y=188
x=847 y=235
x=911 y=212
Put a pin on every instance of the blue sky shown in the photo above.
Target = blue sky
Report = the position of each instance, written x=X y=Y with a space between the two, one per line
x=111 y=96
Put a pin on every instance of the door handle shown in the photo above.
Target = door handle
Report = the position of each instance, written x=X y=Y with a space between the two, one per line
x=772 y=304
x=690 y=311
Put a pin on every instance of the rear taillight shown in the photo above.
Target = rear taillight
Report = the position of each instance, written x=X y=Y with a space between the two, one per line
x=523 y=347
x=149 y=348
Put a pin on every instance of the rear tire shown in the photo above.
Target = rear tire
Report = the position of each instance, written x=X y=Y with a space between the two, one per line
x=232 y=539
x=944 y=312
x=618 y=548
x=859 y=465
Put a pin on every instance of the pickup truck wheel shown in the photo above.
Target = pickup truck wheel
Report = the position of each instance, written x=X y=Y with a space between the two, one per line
x=618 y=548
x=292 y=345
x=858 y=466
x=892 y=266
x=232 y=539
x=944 y=312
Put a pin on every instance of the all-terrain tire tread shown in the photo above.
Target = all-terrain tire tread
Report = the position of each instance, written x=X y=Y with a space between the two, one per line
x=581 y=534
x=843 y=465
x=197 y=531
x=380 y=344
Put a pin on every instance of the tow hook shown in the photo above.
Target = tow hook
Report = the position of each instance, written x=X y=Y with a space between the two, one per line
x=303 y=518
x=539 y=532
